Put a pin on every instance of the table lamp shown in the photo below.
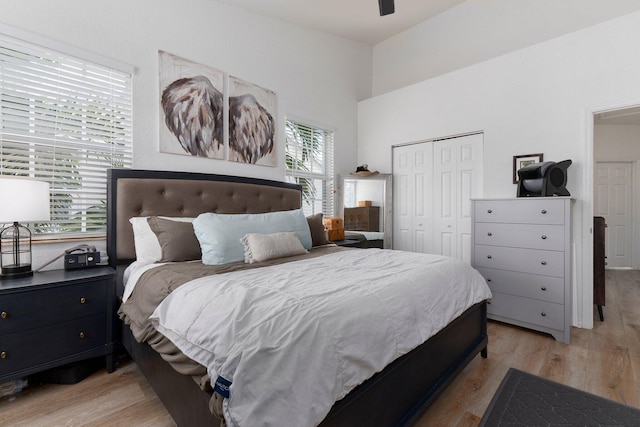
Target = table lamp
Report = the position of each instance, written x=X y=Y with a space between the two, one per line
x=26 y=201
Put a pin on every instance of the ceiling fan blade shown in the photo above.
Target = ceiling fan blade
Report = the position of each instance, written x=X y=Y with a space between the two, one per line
x=386 y=7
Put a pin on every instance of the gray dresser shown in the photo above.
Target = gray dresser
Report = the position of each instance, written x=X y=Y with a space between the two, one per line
x=522 y=247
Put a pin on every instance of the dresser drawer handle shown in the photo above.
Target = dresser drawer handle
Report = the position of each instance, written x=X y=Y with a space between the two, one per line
x=489 y=211
x=82 y=335
x=4 y=314
x=489 y=256
x=543 y=314
x=83 y=300
x=489 y=279
x=544 y=237
x=3 y=355
x=544 y=288
x=544 y=211
x=544 y=263
x=489 y=234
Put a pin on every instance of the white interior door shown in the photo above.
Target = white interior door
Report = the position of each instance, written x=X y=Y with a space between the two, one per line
x=613 y=201
x=457 y=174
x=412 y=189
x=433 y=184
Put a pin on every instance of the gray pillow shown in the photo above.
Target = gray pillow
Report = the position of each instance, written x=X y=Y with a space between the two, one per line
x=178 y=241
x=318 y=235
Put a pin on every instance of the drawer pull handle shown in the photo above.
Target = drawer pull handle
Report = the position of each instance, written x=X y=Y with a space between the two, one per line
x=543 y=314
x=82 y=335
x=83 y=300
x=544 y=211
x=489 y=234
x=4 y=314
x=544 y=237
x=3 y=355
x=489 y=279
x=489 y=256
x=544 y=288
x=489 y=211
x=544 y=263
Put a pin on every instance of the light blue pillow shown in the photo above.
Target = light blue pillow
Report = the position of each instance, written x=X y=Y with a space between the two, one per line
x=220 y=234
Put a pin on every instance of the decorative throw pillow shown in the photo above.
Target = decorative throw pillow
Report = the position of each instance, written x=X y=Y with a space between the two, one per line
x=318 y=234
x=177 y=240
x=262 y=247
x=220 y=234
x=145 y=240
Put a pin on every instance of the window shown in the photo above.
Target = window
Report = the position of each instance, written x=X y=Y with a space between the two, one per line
x=309 y=162
x=63 y=120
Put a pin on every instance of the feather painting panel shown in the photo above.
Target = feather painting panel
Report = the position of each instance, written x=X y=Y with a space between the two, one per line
x=191 y=108
x=252 y=112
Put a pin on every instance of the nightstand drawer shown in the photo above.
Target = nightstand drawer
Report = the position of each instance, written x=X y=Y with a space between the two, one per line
x=46 y=305
x=524 y=211
x=533 y=236
x=34 y=347
x=547 y=263
x=542 y=313
x=545 y=288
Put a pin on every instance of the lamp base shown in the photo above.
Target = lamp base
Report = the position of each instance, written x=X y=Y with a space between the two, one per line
x=15 y=271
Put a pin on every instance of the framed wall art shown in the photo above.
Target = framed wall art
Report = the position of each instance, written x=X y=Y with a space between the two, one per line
x=524 y=160
x=191 y=108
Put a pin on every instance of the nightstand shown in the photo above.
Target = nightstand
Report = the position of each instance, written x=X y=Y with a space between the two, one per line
x=54 y=318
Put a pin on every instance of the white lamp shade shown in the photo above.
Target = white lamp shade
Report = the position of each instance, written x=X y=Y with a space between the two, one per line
x=24 y=200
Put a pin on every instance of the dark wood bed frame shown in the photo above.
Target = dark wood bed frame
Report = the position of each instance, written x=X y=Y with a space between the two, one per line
x=395 y=396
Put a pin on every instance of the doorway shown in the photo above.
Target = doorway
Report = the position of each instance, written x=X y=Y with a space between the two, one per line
x=616 y=180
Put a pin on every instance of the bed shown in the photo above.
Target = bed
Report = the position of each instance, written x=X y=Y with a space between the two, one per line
x=394 y=396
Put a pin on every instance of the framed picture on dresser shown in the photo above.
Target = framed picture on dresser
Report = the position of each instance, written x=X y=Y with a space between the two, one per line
x=523 y=160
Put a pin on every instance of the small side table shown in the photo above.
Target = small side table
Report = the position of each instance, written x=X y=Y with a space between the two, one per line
x=54 y=318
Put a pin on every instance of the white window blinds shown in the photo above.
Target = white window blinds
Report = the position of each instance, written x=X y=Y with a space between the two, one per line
x=309 y=162
x=64 y=120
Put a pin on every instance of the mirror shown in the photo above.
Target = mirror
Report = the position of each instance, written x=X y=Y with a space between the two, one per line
x=365 y=204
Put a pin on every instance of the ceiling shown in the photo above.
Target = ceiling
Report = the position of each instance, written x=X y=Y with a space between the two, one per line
x=354 y=19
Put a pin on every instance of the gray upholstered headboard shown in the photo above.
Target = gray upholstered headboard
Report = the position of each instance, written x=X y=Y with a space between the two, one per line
x=132 y=192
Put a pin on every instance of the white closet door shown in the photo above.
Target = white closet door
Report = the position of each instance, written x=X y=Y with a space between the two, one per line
x=412 y=193
x=433 y=183
x=457 y=175
x=613 y=195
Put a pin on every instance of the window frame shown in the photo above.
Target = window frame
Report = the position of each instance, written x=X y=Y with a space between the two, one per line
x=99 y=126
x=327 y=176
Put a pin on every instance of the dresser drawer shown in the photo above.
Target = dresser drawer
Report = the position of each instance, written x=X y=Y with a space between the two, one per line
x=534 y=261
x=46 y=305
x=534 y=236
x=520 y=211
x=545 y=288
x=30 y=348
x=541 y=313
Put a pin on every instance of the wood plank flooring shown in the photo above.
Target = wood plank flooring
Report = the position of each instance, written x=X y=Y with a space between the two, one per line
x=604 y=361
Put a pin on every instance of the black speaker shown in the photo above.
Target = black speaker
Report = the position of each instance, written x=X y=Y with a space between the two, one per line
x=543 y=179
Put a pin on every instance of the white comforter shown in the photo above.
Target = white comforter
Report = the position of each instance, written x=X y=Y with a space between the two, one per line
x=295 y=338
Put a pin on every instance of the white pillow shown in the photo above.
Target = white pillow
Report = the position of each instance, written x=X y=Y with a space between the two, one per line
x=145 y=240
x=220 y=234
x=262 y=247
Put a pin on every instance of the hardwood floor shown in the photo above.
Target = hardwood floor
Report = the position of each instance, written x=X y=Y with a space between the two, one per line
x=604 y=361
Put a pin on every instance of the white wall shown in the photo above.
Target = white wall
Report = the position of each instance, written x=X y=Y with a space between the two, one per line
x=538 y=99
x=317 y=77
x=616 y=143
x=478 y=30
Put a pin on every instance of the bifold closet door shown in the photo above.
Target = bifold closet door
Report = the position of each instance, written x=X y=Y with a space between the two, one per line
x=457 y=176
x=412 y=194
x=433 y=183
